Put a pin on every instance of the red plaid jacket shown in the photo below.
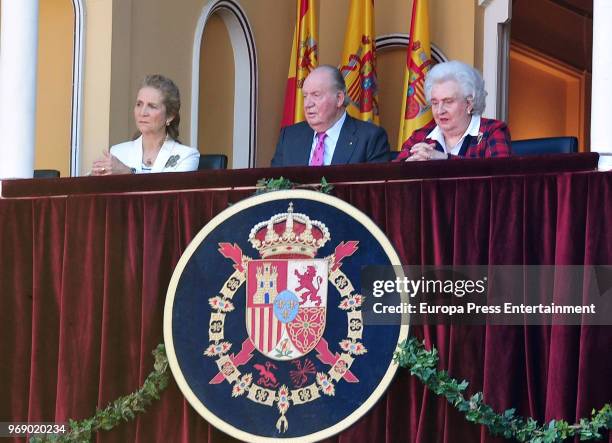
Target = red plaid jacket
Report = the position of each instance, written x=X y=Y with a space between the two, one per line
x=493 y=140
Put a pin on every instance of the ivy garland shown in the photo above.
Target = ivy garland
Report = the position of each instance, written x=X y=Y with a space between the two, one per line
x=121 y=410
x=411 y=354
x=276 y=184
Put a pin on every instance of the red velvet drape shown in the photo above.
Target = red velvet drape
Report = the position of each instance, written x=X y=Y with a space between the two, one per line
x=83 y=280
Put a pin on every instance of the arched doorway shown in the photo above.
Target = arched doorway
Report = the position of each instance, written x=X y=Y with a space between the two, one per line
x=59 y=86
x=242 y=43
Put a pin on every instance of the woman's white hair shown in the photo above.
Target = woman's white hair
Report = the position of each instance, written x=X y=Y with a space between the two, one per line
x=469 y=80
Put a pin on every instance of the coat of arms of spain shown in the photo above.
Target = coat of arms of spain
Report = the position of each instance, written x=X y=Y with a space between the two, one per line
x=284 y=329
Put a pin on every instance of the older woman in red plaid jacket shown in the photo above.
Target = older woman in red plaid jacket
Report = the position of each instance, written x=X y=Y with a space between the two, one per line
x=456 y=93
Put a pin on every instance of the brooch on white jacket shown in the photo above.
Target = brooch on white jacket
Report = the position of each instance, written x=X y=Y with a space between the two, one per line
x=172 y=161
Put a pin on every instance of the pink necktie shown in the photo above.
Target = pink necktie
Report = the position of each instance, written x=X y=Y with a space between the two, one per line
x=317 y=155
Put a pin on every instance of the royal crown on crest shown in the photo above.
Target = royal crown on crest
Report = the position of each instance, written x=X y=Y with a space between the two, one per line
x=289 y=233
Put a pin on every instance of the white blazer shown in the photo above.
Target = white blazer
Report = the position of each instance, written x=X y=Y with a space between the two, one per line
x=172 y=157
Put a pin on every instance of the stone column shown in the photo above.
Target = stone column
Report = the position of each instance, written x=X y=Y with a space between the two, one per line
x=602 y=82
x=495 y=54
x=18 y=62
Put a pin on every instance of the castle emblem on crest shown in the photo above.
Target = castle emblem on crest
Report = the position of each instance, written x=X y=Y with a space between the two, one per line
x=285 y=360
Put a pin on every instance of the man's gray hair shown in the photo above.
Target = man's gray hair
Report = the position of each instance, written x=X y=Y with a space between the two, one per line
x=337 y=80
x=469 y=80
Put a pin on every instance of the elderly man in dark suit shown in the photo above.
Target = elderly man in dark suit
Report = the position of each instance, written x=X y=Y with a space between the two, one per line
x=329 y=136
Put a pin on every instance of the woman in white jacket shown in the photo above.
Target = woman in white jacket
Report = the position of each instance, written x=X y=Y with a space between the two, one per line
x=156 y=148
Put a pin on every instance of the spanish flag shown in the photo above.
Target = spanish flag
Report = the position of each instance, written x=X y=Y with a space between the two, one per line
x=304 y=58
x=416 y=113
x=359 y=61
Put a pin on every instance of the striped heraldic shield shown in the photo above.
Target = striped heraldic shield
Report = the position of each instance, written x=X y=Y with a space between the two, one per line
x=286 y=304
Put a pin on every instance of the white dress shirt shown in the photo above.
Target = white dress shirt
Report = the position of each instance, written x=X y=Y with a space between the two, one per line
x=472 y=129
x=330 y=141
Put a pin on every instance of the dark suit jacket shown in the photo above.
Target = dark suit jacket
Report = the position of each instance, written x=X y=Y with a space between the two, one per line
x=359 y=142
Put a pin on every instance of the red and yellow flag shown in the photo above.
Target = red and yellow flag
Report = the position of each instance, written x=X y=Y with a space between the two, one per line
x=359 y=61
x=304 y=58
x=416 y=113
